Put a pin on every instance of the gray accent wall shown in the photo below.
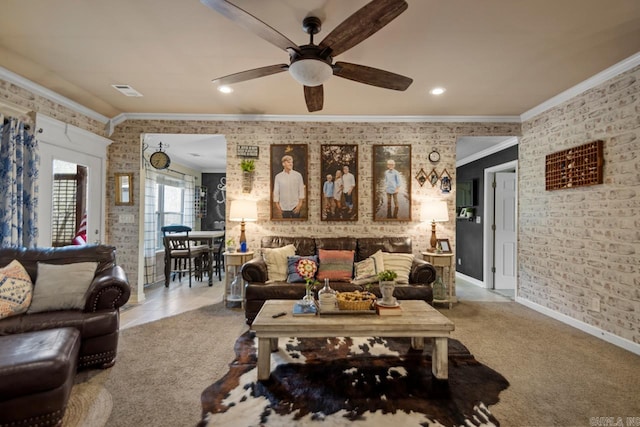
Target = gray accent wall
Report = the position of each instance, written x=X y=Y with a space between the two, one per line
x=469 y=234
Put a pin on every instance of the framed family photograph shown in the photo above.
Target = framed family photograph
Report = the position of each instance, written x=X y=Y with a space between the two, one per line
x=289 y=177
x=339 y=169
x=392 y=182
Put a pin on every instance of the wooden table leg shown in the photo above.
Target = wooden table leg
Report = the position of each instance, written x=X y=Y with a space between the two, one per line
x=440 y=358
x=274 y=344
x=264 y=358
x=417 y=343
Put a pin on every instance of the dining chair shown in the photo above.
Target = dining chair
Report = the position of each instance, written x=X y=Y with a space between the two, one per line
x=187 y=258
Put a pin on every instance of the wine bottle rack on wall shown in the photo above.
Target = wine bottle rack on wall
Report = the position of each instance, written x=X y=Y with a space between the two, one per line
x=575 y=167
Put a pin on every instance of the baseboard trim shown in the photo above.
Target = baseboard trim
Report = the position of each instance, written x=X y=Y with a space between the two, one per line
x=470 y=280
x=585 y=327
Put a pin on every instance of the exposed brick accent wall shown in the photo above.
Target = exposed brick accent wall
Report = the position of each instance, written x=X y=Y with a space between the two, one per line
x=125 y=155
x=580 y=243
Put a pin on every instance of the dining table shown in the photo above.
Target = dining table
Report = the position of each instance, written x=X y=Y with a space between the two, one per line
x=206 y=237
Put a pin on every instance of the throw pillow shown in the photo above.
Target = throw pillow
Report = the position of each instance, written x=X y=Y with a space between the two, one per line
x=400 y=263
x=62 y=287
x=292 y=268
x=364 y=272
x=276 y=260
x=335 y=265
x=16 y=289
x=378 y=258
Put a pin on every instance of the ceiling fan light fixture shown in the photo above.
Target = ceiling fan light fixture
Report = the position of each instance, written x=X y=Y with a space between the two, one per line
x=225 y=89
x=310 y=72
x=437 y=91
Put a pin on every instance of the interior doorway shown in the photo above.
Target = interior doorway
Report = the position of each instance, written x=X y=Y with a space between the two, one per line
x=501 y=228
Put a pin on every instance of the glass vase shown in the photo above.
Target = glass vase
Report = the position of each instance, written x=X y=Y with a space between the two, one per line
x=308 y=299
x=439 y=290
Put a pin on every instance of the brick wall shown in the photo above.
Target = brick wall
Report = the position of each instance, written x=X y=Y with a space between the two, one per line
x=125 y=155
x=580 y=243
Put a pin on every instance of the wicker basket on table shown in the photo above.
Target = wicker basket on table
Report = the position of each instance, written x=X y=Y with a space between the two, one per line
x=356 y=300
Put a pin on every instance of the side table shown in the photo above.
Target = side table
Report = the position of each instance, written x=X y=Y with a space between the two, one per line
x=232 y=263
x=442 y=261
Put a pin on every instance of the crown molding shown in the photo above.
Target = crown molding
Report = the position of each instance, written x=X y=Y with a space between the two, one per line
x=598 y=79
x=308 y=118
x=487 y=152
x=12 y=77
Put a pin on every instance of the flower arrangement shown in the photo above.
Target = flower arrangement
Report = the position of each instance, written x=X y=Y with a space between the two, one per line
x=307 y=269
x=387 y=276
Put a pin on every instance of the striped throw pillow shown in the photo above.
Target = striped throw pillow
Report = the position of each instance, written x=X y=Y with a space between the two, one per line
x=336 y=265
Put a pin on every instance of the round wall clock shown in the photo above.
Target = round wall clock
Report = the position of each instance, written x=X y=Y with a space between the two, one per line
x=434 y=156
x=160 y=160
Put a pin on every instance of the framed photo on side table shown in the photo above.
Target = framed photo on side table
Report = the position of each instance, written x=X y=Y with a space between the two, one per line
x=289 y=177
x=391 y=183
x=339 y=178
x=444 y=244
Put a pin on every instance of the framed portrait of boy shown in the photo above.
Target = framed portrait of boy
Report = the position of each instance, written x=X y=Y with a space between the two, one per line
x=391 y=182
x=289 y=177
x=339 y=169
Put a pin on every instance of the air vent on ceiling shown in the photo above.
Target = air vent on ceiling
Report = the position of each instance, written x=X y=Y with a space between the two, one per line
x=126 y=90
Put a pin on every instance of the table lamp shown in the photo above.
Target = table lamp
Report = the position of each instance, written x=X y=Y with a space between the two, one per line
x=243 y=210
x=434 y=212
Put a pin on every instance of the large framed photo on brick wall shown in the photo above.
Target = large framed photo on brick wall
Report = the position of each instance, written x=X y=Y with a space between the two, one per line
x=289 y=177
x=338 y=174
x=391 y=182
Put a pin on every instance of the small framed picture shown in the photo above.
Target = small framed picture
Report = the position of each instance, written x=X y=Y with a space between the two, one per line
x=444 y=244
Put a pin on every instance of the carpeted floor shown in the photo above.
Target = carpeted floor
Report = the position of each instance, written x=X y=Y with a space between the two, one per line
x=558 y=376
x=161 y=370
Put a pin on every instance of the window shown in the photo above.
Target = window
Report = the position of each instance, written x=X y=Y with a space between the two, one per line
x=169 y=207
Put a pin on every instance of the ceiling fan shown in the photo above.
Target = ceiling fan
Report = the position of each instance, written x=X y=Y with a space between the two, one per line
x=311 y=64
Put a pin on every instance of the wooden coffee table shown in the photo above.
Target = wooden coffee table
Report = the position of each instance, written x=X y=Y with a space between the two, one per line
x=418 y=321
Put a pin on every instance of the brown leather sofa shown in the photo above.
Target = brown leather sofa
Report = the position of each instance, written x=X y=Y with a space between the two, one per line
x=40 y=352
x=254 y=272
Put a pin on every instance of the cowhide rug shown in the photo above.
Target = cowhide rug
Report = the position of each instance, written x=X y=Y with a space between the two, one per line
x=352 y=381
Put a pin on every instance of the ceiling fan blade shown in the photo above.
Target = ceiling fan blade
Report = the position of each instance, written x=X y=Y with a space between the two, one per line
x=250 y=74
x=314 y=96
x=251 y=23
x=362 y=24
x=371 y=76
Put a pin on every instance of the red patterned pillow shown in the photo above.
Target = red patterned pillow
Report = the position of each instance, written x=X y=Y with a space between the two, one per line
x=335 y=265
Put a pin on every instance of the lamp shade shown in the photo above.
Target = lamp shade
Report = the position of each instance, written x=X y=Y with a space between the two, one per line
x=434 y=212
x=243 y=210
x=310 y=72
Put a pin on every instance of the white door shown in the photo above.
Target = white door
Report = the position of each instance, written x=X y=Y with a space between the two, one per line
x=95 y=188
x=505 y=231
x=61 y=141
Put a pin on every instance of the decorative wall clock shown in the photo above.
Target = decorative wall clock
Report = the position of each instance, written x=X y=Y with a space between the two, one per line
x=434 y=156
x=160 y=159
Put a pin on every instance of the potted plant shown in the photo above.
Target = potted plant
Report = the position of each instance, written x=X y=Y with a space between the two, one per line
x=231 y=245
x=248 y=167
x=387 y=281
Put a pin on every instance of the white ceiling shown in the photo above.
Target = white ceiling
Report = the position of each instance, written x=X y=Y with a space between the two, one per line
x=495 y=57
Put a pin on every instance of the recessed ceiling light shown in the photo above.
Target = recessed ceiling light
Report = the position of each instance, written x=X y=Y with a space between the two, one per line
x=437 y=91
x=225 y=89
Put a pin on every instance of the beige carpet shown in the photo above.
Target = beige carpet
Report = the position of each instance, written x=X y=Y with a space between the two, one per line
x=161 y=371
x=558 y=375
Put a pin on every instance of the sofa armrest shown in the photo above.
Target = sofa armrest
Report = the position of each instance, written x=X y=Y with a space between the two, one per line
x=254 y=270
x=109 y=290
x=422 y=272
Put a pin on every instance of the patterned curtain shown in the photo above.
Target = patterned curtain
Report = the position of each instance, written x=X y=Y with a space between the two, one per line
x=150 y=227
x=19 y=162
